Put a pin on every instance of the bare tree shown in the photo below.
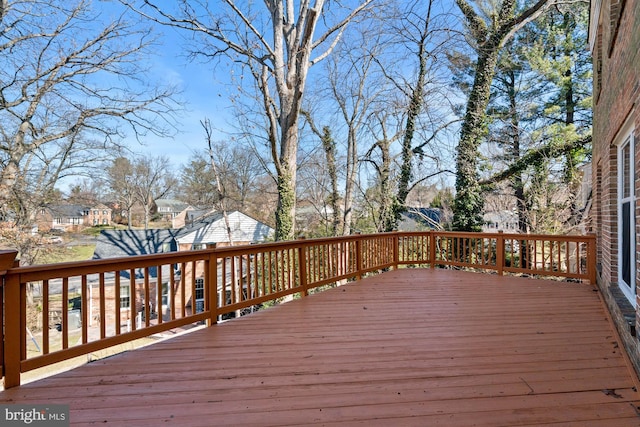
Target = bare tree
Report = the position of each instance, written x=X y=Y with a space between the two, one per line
x=353 y=93
x=241 y=173
x=277 y=45
x=140 y=181
x=120 y=176
x=71 y=86
x=381 y=198
x=238 y=169
x=421 y=34
x=153 y=179
x=323 y=177
x=351 y=90
x=196 y=181
x=222 y=199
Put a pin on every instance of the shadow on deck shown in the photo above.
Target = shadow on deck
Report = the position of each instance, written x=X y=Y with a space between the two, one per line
x=411 y=347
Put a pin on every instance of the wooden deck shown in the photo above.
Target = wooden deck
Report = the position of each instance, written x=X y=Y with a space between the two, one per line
x=412 y=347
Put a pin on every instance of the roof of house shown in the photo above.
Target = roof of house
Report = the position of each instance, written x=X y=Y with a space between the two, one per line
x=122 y=243
x=194 y=214
x=73 y=211
x=211 y=229
x=67 y=211
x=100 y=206
x=208 y=229
x=173 y=204
x=424 y=217
x=500 y=216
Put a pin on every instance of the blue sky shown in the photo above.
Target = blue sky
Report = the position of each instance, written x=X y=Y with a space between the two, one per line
x=204 y=93
x=205 y=90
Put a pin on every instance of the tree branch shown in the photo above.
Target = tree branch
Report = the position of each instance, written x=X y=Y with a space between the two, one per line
x=514 y=25
x=340 y=27
x=477 y=26
x=533 y=157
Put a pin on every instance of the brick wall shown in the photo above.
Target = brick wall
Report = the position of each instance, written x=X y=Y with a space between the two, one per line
x=616 y=62
x=127 y=314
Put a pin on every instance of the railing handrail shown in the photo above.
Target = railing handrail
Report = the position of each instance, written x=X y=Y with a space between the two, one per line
x=103 y=265
x=254 y=274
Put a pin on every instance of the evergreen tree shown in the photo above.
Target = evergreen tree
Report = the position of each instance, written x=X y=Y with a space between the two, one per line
x=541 y=116
x=489 y=29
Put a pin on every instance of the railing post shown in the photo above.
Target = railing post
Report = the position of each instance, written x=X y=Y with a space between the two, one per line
x=591 y=258
x=432 y=249
x=212 y=280
x=2 y=327
x=302 y=267
x=500 y=253
x=14 y=304
x=359 y=256
x=7 y=260
x=396 y=250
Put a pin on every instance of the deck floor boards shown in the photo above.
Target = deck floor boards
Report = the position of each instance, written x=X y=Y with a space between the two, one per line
x=411 y=347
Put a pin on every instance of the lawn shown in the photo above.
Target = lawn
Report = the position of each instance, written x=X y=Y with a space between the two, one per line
x=60 y=253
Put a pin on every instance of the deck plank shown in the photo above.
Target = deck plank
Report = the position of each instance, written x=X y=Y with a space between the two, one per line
x=408 y=347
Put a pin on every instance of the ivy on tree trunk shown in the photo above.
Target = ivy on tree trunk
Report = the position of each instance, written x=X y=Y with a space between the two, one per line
x=489 y=40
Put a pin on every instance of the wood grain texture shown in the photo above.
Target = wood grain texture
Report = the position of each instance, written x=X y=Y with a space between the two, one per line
x=411 y=347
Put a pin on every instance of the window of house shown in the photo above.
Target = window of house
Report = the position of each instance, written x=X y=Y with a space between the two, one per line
x=197 y=246
x=626 y=213
x=165 y=294
x=125 y=296
x=199 y=296
x=104 y=221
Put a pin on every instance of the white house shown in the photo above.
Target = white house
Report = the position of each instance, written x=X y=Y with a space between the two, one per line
x=211 y=229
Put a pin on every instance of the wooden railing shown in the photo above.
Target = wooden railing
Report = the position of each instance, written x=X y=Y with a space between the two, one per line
x=59 y=311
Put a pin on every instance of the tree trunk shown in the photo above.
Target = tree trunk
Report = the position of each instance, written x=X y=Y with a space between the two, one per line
x=7 y=182
x=286 y=208
x=389 y=211
x=350 y=185
x=329 y=147
x=413 y=111
x=468 y=203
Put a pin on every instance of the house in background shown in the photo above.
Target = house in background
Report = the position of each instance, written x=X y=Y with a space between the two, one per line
x=204 y=232
x=504 y=220
x=419 y=219
x=207 y=231
x=211 y=230
x=72 y=218
x=614 y=39
x=124 y=243
x=168 y=209
x=189 y=215
x=99 y=215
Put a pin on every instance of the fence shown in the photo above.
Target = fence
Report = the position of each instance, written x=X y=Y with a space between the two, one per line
x=56 y=312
